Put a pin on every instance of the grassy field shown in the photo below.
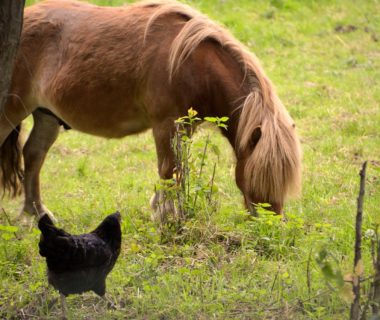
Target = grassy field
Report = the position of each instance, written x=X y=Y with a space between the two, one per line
x=324 y=58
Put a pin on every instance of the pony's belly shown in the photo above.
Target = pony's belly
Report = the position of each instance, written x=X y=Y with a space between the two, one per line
x=94 y=105
x=104 y=122
x=110 y=112
x=109 y=128
x=125 y=128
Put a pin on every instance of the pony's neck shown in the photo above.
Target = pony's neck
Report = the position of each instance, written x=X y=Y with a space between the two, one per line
x=232 y=125
x=227 y=102
x=223 y=91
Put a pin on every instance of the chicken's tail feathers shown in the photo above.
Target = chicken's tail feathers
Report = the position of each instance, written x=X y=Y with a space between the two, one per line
x=110 y=228
x=111 y=220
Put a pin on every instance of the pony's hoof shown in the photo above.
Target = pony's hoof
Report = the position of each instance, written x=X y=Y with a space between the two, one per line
x=25 y=219
x=157 y=216
x=154 y=201
x=31 y=212
x=164 y=209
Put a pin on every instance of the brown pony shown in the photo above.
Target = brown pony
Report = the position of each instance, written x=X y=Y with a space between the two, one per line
x=113 y=72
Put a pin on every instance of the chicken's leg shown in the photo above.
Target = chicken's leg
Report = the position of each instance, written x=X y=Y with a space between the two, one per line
x=64 y=306
x=109 y=302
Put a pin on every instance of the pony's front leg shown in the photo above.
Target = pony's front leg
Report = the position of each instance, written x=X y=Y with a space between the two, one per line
x=44 y=133
x=162 y=202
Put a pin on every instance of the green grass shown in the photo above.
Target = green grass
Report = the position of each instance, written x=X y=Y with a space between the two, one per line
x=226 y=265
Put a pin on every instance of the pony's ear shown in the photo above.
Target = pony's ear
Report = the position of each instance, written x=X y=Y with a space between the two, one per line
x=256 y=135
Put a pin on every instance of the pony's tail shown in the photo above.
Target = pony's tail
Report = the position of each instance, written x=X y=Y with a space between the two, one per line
x=11 y=172
x=266 y=133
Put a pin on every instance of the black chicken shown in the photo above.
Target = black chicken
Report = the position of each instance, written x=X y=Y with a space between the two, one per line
x=79 y=263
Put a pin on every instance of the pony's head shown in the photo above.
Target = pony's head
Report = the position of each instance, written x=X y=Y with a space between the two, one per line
x=268 y=151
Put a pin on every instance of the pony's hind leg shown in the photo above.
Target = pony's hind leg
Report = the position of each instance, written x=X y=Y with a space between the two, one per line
x=10 y=118
x=44 y=133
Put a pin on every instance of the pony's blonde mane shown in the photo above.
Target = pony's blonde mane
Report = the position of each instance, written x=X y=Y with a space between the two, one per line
x=274 y=165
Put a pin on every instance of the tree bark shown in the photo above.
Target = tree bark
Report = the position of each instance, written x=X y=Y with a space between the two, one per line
x=11 y=17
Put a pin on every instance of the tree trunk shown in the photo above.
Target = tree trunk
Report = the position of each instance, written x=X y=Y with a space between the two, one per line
x=11 y=17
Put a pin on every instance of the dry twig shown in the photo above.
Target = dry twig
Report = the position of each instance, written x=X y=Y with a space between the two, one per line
x=355 y=306
x=376 y=281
